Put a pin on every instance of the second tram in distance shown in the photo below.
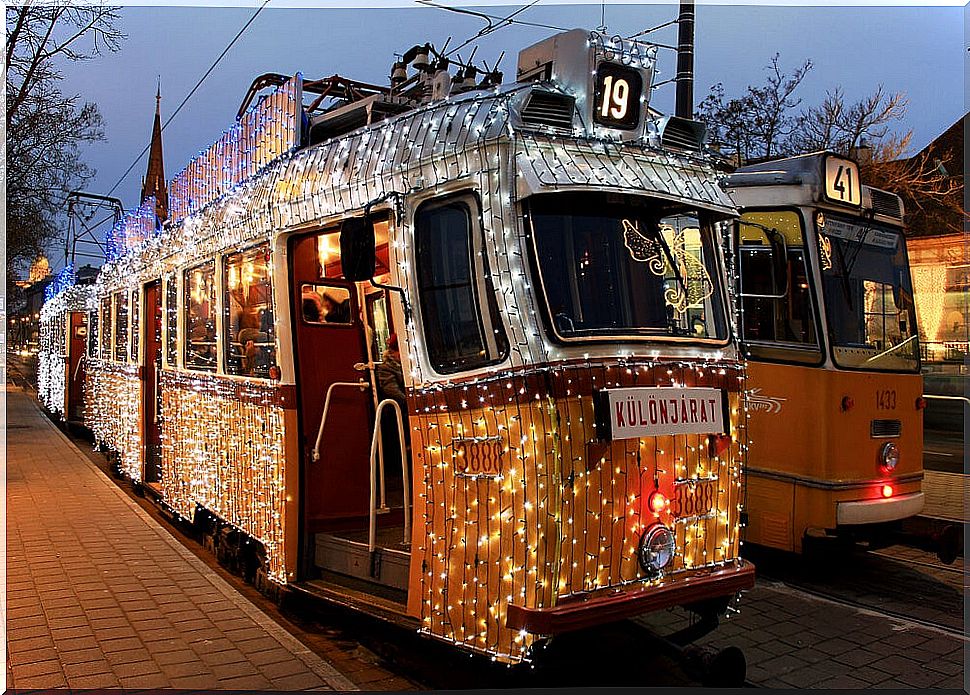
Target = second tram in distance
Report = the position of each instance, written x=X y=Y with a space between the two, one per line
x=546 y=256
x=828 y=324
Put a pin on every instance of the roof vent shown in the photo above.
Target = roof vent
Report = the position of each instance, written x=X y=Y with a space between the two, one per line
x=884 y=203
x=681 y=133
x=549 y=109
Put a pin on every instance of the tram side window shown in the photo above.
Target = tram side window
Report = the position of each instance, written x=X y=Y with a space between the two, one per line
x=171 y=321
x=453 y=284
x=777 y=314
x=105 y=343
x=134 y=326
x=200 y=317
x=93 y=334
x=121 y=326
x=250 y=346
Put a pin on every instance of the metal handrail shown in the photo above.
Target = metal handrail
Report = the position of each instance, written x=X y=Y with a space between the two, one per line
x=361 y=384
x=948 y=398
x=372 y=527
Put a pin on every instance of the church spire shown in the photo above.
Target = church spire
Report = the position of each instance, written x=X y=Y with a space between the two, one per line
x=154 y=183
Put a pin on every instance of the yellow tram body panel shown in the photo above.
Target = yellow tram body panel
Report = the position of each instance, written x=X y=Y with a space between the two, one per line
x=816 y=435
x=523 y=516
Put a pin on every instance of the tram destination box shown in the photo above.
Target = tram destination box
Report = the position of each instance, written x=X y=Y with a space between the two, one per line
x=651 y=411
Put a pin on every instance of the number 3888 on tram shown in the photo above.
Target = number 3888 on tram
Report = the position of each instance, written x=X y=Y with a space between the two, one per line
x=544 y=255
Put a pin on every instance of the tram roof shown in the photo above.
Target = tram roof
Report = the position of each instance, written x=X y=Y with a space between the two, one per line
x=431 y=147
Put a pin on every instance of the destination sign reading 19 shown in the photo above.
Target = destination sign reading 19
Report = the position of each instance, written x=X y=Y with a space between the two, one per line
x=616 y=101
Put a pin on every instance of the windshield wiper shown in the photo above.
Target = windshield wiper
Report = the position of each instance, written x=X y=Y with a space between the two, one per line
x=844 y=272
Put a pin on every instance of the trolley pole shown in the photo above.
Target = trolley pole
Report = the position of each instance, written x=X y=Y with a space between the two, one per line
x=685 y=60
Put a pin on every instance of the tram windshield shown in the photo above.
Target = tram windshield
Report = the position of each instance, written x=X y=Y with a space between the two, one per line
x=868 y=294
x=626 y=265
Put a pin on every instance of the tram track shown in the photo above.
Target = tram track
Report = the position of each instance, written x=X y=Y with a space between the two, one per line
x=919 y=563
x=899 y=616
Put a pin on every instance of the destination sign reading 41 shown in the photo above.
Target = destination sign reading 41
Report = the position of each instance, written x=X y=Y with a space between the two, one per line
x=655 y=411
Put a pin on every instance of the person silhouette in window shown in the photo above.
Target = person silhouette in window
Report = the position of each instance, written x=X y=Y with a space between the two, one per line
x=334 y=310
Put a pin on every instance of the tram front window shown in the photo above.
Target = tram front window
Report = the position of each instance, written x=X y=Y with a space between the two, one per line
x=868 y=294
x=625 y=265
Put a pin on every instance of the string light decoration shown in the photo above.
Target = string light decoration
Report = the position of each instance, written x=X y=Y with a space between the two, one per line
x=517 y=501
x=52 y=359
x=268 y=130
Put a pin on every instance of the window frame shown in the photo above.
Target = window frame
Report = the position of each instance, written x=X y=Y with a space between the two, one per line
x=213 y=316
x=115 y=297
x=480 y=282
x=135 y=326
x=773 y=351
x=105 y=340
x=222 y=288
x=170 y=279
x=900 y=231
x=707 y=220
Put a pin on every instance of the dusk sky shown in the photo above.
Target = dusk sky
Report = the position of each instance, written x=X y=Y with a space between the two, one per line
x=918 y=50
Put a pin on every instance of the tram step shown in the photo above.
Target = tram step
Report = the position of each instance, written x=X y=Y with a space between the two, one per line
x=388 y=567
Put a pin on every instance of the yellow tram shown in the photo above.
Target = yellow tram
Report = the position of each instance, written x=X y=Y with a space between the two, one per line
x=829 y=328
x=544 y=255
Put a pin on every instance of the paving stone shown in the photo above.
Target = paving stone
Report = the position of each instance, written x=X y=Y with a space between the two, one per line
x=86 y=668
x=33 y=656
x=846 y=682
x=38 y=668
x=946 y=666
x=282 y=669
x=804 y=677
x=921 y=678
x=300 y=681
x=151 y=680
x=98 y=681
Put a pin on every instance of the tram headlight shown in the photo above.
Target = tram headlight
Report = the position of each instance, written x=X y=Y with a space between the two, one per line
x=889 y=456
x=656 y=548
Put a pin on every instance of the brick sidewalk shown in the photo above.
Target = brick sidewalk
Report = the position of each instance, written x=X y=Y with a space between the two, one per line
x=100 y=596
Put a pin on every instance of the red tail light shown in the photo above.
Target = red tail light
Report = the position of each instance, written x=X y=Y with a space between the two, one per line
x=887 y=491
x=920 y=403
x=847 y=403
x=657 y=502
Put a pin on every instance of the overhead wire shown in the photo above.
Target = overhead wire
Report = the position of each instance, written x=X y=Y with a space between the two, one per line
x=193 y=91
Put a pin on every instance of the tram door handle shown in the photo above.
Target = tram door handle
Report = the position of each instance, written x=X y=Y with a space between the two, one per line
x=361 y=384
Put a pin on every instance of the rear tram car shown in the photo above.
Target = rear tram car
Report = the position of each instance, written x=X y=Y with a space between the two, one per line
x=63 y=342
x=544 y=256
x=828 y=323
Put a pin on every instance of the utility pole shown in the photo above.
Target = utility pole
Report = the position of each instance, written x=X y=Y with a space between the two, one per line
x=685 y=60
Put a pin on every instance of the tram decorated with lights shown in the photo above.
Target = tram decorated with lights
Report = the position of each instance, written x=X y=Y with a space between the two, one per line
x=63 y=344
x=544 y=256
x=829 y=328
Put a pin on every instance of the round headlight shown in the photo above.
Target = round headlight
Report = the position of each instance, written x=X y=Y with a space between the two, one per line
x=656 y=548
x=888 y=456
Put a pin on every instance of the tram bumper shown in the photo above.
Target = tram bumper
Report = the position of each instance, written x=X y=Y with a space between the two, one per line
x=621 y=603
x=879 y=510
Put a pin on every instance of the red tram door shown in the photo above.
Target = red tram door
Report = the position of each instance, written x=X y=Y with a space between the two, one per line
x=329 y=341
x=76 y=345
x=152 y=394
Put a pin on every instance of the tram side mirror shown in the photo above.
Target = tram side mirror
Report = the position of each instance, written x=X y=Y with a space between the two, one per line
x=357 y=248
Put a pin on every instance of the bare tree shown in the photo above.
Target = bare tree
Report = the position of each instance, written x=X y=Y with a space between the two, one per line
x=761 y=124
x=840 y=127
x=45 y=127
x=758 y=124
